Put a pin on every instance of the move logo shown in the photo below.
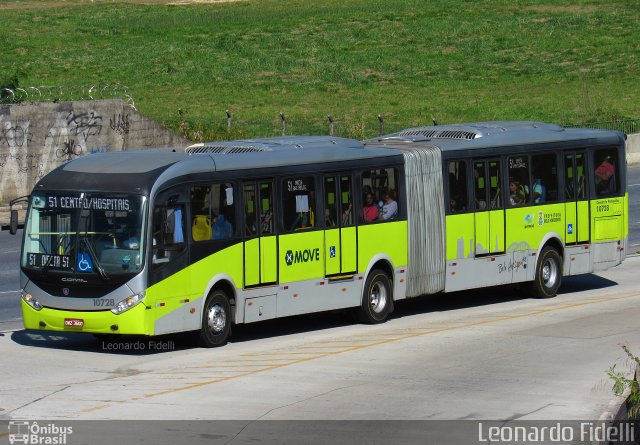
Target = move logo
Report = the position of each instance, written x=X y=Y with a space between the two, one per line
x=301 y=256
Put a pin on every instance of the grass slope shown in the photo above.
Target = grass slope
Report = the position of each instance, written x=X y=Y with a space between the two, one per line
x=409 y=60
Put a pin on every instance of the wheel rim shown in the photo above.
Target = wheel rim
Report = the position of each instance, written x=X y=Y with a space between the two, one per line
x=216 y=318
x=378 y=297
x=549 y=273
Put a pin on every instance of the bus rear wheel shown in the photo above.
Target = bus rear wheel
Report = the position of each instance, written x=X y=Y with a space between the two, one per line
x=216 y=320
x=377 y=298
x=548 y=276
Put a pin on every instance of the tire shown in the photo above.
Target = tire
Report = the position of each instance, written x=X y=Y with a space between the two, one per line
x=377 y=298
x=216 y=320
x=548 y=276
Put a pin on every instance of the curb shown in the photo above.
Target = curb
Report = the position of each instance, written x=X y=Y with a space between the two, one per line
x=617 y=410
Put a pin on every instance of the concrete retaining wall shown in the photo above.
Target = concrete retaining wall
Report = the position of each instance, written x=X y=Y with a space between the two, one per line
x=36 y=138
x=633 y=148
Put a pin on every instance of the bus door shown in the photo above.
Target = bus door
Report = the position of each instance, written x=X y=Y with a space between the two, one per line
x=340 y=231
x=576 y=194
x=260 y=242
x=301 y=240
x=489 y=215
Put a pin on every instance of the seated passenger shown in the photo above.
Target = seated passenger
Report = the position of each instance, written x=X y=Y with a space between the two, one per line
x=538 y=192
x=456 y=205
x=516 y=193
x=221 y=228
x=370 y=209
x=389 y=206
x=604 y=177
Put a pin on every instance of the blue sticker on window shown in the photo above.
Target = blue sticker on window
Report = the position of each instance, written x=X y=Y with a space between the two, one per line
x=570 y=229
x=84 y=262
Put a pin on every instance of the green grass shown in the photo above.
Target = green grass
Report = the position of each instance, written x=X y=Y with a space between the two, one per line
x=408 y=60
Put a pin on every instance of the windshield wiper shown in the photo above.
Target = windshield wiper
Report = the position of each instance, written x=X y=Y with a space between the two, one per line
x=45 y=268
x=96 y=262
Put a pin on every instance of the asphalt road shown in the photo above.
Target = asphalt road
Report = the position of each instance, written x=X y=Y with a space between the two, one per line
x=487 y=354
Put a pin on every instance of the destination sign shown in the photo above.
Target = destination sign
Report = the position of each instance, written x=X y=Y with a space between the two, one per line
x=89 y=203
x=51 y=261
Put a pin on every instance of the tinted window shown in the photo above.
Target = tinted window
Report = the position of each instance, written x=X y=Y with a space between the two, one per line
x=380 y=198
x=606 y=172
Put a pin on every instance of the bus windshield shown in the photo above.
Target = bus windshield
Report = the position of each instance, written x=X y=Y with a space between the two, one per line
x=85 y=233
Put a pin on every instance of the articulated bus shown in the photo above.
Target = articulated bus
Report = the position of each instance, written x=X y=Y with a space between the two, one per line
x=154 y=242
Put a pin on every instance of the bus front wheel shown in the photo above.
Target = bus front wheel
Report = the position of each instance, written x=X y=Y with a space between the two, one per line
x=548 y=274
x=376 y=299
x=216 y=320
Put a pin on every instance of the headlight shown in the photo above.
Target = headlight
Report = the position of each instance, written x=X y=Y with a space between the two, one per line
x=128 y=303
x=31 y=301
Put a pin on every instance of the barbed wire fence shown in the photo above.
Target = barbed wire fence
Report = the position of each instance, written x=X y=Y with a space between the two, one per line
x=229 y=125
x=49 y=93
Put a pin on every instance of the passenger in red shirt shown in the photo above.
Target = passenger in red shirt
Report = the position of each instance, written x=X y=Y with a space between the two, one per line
x=370 y=209
x=604 y=174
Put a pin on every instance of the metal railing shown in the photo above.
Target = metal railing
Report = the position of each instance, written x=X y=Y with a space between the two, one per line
x=629 y=126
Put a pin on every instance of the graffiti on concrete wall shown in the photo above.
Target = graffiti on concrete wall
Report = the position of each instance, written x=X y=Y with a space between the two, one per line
x=15 y=160
x=16 y=135
x=25 y=157
x=120 y=124
x=36 y=138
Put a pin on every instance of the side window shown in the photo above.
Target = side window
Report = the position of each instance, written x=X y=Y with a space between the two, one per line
x=480 y=186
x=575 y=178
x=581 y=176
x=212 y=211
x=487 y=185
x=258 y=209
x=544 y=180
x=298 y=203
x=168 y=232
x=380 y=199
x=250 y=210
x=346 y=201
x=458 y=201
x=518 y=180
x=606 y=171
x=331 y=202
x=570 y=192
x=267 y=226
x=494 y=185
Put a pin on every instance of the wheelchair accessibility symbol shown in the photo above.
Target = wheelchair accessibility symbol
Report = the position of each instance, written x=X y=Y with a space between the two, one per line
x=84 y=262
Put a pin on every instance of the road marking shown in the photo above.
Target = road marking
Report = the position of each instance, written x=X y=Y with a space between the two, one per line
x=633 y=185
x=375 y=342
x=315 y=356
x=10 y=292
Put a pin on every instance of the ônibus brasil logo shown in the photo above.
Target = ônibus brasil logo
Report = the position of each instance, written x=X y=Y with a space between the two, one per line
x=301 y=256
x=33 y=433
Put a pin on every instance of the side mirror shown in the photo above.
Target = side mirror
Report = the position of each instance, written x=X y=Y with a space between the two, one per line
x=13 y=222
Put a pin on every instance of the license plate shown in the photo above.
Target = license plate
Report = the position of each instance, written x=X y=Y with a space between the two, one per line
x=73 y=322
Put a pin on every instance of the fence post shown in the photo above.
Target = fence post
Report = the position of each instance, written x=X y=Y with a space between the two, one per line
x=381 y=119
x=228 y=120
x=330 y=124
x=284 y=122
